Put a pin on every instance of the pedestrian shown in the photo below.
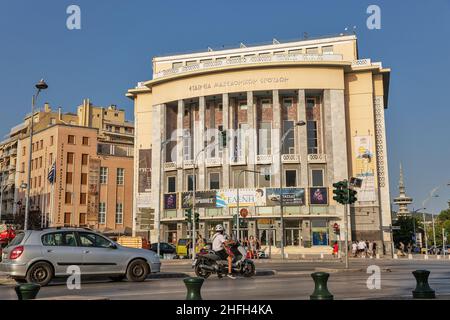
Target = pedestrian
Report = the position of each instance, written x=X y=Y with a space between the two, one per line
x=370 y=250
x=402 y=248
x=200 y=243
x=409 y=248
x=335 y=249
x=374 y=249
x=253 y=247
x=361 y=248
x=354 y=249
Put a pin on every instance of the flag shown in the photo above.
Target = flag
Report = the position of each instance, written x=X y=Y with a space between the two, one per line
x=52 y=174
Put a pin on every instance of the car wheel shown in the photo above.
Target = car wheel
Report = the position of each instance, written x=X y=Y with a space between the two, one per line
x=117 y=278
x=137 y=271
x=40 y=273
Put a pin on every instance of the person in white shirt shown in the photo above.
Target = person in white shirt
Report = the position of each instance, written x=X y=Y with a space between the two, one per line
x=219 y=242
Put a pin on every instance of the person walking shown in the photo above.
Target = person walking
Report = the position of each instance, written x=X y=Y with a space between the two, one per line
x=253 y=247
x=370 y=250
x=335 y=249
x=354 y=249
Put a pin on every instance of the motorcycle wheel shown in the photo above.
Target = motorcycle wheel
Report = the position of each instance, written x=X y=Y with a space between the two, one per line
x=248 y=269
x=201 y=273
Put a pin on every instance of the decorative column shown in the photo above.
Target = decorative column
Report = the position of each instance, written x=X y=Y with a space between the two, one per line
x=179 y=137
x=302 y=147
x=158 y=135
x=276 y=138
x=200 y=144
x=336 y=142
x=252 y=139
x=226 y=150
x=382 y=172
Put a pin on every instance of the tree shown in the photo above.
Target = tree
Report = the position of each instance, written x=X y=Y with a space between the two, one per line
x=407 y=225
x=34 y=219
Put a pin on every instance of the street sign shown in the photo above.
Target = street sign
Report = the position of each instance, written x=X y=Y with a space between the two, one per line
x=244 y=212
x=395 y=228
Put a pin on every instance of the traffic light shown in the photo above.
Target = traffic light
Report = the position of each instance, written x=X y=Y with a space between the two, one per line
x=340 y=192
x=197 y=217
x=188 y=215
x=223 y=138
x=352 y=196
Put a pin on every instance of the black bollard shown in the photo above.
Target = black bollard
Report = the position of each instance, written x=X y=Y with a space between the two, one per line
x=194 y=286
x=423 y=290
x=321 y=290
x=27 y=291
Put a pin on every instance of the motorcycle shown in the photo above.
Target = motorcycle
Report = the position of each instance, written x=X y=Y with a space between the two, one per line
x=207 y=262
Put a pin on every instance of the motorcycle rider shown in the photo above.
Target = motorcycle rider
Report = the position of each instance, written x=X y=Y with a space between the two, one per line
x=219 y=243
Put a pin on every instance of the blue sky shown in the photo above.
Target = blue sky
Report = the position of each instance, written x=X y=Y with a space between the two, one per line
x=113 y=51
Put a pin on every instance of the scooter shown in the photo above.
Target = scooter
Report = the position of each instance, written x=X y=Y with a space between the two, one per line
x=207 y=262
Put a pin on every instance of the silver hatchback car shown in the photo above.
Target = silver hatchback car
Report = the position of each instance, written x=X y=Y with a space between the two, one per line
x=39 y=256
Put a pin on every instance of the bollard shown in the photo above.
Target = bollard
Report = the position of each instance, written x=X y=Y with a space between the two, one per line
x=194 y=286
x=438 y=257
x=303 y=256
x=425 y=257
x=321 y=290
x=395 y=256
x=410 y=256
x=423 y=290
x=321 y=255
x=27 y=291
x=378 y=256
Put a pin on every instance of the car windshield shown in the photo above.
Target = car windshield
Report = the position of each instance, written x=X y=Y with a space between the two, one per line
x=17 y=240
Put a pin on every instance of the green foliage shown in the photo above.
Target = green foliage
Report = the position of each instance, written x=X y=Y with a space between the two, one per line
x=407 y=226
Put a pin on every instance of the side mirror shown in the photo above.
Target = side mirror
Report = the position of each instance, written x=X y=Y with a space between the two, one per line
x=113 y=246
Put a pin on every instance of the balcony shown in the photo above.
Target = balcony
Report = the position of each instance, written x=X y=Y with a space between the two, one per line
x=249 y=60
x=264 y=159
x=168 y=166
x=317 y=158
x=290 y=158
x=214 y=162
x=188 y=164
x=238 y=161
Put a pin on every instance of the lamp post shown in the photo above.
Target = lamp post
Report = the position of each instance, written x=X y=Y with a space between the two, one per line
x=283 y=138
x=161 y=172
x=193 y=196
x=425 y=234
x=41 y=85
x=238 y=202
x=414 y=224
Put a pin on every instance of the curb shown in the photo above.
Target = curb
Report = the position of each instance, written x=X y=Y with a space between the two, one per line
x=334 y=270
x=180 y=275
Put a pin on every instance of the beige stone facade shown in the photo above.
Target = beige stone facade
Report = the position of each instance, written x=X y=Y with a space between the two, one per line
x=255 y=95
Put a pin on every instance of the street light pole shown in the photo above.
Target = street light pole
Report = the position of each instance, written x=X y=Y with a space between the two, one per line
x=41 y=85
x=425 y=234
x=283 y=138
x=434 y=235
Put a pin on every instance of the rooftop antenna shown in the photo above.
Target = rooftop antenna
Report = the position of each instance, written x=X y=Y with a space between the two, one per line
x=242 y=45
x=210 y=49
x=354 y=30
x=305 y=35
x=275 y=41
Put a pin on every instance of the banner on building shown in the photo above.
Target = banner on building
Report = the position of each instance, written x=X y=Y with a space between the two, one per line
x=203 y=199
x=170 y=201
x=365 y=167
x=145 y=170
x=93 y=196
x=291 y=196
x=247 y=197
x=318 y=196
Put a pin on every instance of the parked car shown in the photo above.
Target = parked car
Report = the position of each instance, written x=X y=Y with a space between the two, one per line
x=39 y=256
x=164 y=248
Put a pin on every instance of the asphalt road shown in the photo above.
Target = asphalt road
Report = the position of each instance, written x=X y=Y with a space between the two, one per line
x=291 y=281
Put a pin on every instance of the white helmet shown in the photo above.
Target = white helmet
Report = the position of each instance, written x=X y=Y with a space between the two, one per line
x=219 y=228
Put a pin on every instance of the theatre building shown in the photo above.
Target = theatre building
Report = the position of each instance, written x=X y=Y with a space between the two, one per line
x=301 y=115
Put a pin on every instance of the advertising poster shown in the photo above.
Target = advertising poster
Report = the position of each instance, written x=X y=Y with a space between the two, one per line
x=320 y=237
x=247 y=197
x=170 y=201
x=365 y=168
x=145 y=170
x=203 y=199
x=291 y=196
x=318 y=196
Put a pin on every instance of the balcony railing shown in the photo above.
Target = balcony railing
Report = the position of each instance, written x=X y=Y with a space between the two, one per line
x=249 y=60
x=213 y=162
x=188 y=164
x=317 y=158
x=264 y=159
x=290 y=158
x=170 y=166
